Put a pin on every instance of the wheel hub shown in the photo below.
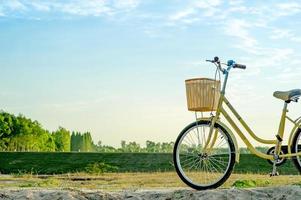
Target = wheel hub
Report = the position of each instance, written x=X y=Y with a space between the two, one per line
x=203 y=155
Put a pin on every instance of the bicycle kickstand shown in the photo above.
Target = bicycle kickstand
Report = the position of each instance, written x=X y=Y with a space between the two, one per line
x=274 y=171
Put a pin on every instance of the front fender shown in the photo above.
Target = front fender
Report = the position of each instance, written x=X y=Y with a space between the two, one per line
x=231 y=135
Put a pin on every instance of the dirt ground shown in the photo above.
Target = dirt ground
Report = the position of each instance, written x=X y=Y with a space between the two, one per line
x=160 y=185
x=284 y=192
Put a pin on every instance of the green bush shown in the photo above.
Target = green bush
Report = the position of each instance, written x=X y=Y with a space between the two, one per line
x=250 y=183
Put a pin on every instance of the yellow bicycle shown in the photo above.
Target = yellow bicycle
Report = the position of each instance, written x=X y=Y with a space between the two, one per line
x=206 y=150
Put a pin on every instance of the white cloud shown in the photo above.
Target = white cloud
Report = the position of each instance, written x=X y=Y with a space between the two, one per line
x=235 y=2
x=216 y=10
x=74 y=7
x=15 y=5
x=127 y=4
x=182 y=14
x=269 y=58
x=295 y=39
x=207 y=4
x=11 y=6
x=40 y=6
x=195 y=11
x=290 y=75
x=239 y=29
x=288 y=8
x=241 y=23
x=279 y=33
x=84 y=8
x=275 y=57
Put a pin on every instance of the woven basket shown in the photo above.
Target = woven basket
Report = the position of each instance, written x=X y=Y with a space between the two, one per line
x=202 y=94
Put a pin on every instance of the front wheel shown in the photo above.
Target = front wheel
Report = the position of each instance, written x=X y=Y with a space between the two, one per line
x=203 y=167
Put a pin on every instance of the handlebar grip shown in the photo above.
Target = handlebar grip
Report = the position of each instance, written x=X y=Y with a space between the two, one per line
x=240 y=66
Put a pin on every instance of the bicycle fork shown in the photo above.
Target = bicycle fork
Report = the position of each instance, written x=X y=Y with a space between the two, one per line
x=279 y=137
x=212 y=136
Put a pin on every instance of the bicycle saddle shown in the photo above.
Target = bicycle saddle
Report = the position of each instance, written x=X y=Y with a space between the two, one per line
x=291 y=95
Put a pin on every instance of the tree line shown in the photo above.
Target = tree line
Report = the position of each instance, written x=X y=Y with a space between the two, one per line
x=134 y=147
x=18 y=133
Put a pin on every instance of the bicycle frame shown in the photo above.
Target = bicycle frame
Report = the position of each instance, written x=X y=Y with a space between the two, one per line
x=277 y=142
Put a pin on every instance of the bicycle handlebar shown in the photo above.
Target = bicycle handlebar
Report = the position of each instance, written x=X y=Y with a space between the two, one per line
x=230 y=64
x=240 y=66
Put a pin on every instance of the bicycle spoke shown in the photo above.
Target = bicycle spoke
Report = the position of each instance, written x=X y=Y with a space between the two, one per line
x=219 y=161
x=198 y=136
x=188 y=161
x=216 y=162
x=219 y=144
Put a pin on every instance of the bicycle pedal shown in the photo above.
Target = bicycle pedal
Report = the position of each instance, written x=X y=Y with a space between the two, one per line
x=274 y=174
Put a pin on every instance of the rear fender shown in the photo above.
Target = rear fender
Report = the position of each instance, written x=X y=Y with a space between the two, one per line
x=292 y=134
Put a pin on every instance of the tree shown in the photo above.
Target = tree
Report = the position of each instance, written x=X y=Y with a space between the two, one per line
x=167 y=147
x=150 y=146
x=18 y=133
x=104 y=148
x=72 y=142
x=89 y=142
x=6 y=123
x=133 y=147
x=82 y=142
x=76 y=141
x=62 y=139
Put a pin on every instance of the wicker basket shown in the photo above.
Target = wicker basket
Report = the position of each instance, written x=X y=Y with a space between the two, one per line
x=202 y=94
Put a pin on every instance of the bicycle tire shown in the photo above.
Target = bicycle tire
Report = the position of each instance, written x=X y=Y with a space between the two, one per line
x=294 y=149
x=229 y=169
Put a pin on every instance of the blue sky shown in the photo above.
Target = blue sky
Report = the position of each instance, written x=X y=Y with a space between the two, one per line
x=117 y=68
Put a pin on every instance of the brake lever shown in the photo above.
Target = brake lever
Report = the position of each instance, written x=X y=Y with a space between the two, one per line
x=218 y=64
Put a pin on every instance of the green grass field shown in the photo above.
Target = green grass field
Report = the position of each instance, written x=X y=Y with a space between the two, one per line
x=59 y=163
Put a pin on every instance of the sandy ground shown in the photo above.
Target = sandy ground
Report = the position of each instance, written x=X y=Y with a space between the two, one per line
x=283 y=192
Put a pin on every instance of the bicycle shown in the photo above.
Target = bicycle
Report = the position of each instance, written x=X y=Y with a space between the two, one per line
x=206 y=150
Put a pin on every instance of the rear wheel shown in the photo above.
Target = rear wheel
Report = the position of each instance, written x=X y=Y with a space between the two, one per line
x=201 y=168
x=296 y=148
